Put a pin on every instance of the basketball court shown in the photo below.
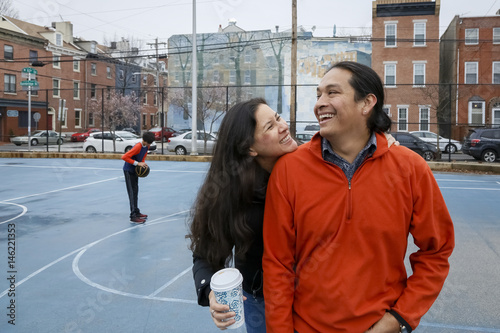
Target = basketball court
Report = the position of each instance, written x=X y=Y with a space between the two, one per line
x=71 y=261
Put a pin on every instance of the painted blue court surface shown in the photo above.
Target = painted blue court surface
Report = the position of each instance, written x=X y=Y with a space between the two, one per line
x=70 y=261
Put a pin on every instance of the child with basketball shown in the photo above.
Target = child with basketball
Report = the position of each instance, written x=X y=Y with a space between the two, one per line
x=133 y=158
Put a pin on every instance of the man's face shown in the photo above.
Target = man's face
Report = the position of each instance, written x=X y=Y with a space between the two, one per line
x=337 y=112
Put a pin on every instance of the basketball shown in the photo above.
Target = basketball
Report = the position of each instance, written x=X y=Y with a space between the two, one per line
x=142 y=171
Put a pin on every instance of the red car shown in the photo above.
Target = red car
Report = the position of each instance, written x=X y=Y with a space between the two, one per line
x=80 y=137
x=167 y=133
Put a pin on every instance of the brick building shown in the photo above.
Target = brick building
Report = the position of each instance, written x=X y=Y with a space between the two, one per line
x=72 y=69
x=470 y=57
x=405 y=53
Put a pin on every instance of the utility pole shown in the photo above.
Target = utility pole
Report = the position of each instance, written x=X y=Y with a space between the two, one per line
x=157 y=79
x=293 y=74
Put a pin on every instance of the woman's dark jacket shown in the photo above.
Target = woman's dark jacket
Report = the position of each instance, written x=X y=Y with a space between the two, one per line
x=251 y=265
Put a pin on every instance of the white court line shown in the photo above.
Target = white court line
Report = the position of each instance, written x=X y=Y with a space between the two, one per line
x=152 y=296
x=465 y=181
x=157 y=291
x=10 y=203
x=65 y=188
x=84 y=248
x=91 y=168
x=470 y=188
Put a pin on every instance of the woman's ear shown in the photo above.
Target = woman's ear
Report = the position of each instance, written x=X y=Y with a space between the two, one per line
x=252 y=152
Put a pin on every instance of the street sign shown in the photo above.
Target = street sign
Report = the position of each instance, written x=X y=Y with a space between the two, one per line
x=29 y=83
x=29 y=70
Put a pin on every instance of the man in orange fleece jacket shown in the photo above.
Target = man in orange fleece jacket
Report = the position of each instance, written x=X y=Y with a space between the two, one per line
x=338 y=215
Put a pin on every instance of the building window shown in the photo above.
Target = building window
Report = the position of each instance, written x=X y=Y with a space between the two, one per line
x=248 y=56
x=419 y=33
x=390 y=75
x=93 y=89
x=121 y=75
x=144 y=79
x=9 y=83
x=387 y=109
x=402 y=119
x=496 y=35
x=8 y=52
x=419 y=74
x=248 y=77
x=93 y=48
x=56 y=61
x=93 y=69
x=390 y=34
x=76 y=90
x=424 y=118
x=59 y=40
x=144 y=120
x=33 y=56
x=145 y=98
x=496 y=72
x=56 y=85
x=471 y=73
x=78 y=118
x=232 y=77
x=91 y=119
x=216 y=78
x=476 y=113
x=76 y=65
x=152 y=119
x=177 y=77
x=471 y=36
x=155 y=98
x=108 y=72
x=496 y=114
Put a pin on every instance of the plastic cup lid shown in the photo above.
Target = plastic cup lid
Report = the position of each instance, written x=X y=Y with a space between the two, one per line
x=226 y=279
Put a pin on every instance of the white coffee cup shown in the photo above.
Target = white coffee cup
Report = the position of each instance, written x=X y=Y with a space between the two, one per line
x=226 y=285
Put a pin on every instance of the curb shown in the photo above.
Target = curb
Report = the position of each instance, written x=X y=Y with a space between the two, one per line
x=493 y=168
x=151 y=157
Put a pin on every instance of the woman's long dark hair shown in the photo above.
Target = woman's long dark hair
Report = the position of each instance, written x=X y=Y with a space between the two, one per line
x=218 y=215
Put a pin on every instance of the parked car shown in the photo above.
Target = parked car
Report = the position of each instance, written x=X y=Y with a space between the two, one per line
x=483 y=144
x=446 y=145
x=425 y=149
x=311 y=128
x=303 y=137
x=131 y=130
x=181 y=144
x=80 y=137
x=39 y=137
x=124 y=141
x=167 y=133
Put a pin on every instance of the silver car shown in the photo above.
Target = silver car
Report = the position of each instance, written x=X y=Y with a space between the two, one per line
x=181 y=144
x=39 y=137
x=444 y=144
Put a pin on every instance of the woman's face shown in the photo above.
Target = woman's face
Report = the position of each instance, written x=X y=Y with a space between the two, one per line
x=272 y=138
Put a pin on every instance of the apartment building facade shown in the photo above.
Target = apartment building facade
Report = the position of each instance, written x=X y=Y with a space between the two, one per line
x=470 y=58
x=71 y=69
x=405 y=54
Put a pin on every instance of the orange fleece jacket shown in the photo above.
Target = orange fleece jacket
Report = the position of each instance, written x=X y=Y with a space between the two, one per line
x=334 y=251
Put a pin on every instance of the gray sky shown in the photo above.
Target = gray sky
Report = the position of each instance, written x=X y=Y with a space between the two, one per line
x=147 y=19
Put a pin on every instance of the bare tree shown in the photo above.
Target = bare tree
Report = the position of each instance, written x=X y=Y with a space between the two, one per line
x=118 y=110
x=279 y=42
x=211 y=106
x=7 y=9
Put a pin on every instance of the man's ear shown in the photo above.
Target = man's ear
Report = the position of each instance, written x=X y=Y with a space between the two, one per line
x=370 y=101
x=252 y=152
